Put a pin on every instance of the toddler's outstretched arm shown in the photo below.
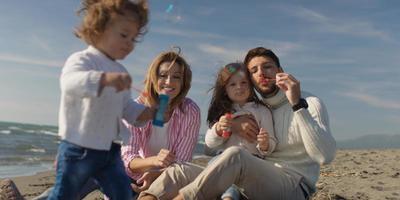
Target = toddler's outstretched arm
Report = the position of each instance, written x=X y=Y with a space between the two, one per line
x=120 y=81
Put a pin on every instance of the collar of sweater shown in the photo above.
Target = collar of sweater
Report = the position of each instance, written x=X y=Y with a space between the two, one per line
x=246 y=105
x=277 y=100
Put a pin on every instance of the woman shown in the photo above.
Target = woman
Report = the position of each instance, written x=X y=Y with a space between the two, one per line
x=152 y=149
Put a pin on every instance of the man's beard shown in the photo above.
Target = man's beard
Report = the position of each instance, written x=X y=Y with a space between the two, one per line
x=272 y=91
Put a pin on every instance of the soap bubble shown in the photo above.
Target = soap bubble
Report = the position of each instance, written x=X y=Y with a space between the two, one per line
x=173 y=12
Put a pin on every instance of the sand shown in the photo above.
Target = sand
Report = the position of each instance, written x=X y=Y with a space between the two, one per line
x=354 y=174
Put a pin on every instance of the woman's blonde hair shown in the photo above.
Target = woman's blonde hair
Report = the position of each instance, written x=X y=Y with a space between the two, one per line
x=98 y=13
x=152 y=77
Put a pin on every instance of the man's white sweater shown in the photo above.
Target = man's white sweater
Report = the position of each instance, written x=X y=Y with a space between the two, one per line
x=304 y=138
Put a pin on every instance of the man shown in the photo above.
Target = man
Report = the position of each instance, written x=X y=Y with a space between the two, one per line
x=304 y=143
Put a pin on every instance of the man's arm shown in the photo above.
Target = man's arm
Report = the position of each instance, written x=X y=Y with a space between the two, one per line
x=313 y=122
x=314 y=129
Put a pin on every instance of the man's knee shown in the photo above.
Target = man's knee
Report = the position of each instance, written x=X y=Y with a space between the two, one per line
x=232 y=152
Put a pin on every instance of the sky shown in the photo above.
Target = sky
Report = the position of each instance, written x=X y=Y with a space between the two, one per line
x=344 y=51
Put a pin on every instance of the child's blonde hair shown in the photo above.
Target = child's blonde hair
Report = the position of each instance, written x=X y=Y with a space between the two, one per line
x=98 y=13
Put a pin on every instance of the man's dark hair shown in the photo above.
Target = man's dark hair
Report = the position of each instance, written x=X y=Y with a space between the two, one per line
x=261 y=51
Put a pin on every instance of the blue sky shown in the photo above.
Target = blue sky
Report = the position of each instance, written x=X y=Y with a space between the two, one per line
x=345 y=52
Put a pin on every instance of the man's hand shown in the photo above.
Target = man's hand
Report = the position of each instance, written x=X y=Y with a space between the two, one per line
x=163 y=159
x=246 y=126
x=290 y=85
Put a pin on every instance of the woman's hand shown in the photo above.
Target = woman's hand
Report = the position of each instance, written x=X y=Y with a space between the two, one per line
x=263 y=140
x=163 y=159
x=146 y=180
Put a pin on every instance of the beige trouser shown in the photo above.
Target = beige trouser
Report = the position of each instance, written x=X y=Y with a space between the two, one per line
x=260 y=179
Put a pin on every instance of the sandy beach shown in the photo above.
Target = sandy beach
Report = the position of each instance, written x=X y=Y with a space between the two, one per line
x=354 y=174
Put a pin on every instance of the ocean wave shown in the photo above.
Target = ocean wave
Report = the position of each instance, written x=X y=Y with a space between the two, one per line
x=7 y=132
x=25 y=160
x=48 y=133
x=14 y=128
x=23 y=170
x=37 y=150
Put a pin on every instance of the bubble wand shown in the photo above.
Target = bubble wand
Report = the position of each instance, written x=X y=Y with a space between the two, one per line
x=227 y=133
x=163 y=104
x=140 y=91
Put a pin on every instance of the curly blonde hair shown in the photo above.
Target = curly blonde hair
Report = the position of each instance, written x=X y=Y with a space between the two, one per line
x=98 y=13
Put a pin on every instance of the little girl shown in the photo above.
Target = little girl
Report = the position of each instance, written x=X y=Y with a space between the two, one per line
x=233 y=93
x=95 y=97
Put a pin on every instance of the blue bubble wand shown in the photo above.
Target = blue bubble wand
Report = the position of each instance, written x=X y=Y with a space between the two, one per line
x=163 y=104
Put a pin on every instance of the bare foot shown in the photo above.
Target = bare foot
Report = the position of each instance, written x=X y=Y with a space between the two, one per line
x=8 y=191
x=227 y=198
x=179 y=197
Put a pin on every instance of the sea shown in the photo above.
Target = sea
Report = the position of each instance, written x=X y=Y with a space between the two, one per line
x=26 y=149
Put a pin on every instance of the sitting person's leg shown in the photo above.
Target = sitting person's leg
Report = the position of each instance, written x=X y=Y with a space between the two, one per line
x=9 y=191
x=239 y=167
x=167 y=185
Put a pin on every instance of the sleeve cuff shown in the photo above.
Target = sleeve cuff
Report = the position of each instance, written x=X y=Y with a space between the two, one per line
x=212 y=138
x=93 y=83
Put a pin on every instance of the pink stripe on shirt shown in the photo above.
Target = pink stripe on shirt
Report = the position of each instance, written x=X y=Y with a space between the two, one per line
x=183 y=132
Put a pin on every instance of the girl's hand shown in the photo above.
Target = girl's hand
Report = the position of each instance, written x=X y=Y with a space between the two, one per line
x=163 y=159
x=224 y=124
x=120 y=81
x=262 y=140
x=147 y=179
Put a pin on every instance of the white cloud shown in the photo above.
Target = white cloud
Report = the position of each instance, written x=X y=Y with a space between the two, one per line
x=375 y=101
x=30 y=61
x=40 y=43
x=237 y=51
x=223 y=53
x=344 y=26
x=185 y=33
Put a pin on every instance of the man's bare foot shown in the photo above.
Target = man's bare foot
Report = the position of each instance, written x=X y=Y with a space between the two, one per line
x=8 y=191
x=179 y=197
x=227 y=198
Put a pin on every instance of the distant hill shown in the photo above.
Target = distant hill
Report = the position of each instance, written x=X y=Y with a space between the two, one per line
x=371 y=142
